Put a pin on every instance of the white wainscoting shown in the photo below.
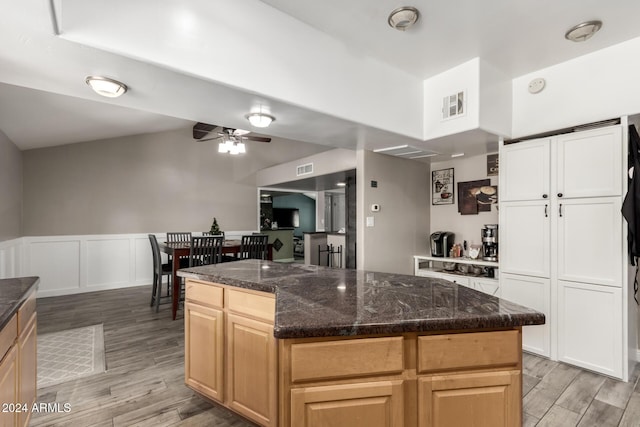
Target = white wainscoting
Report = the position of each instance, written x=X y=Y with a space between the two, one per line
x=75 y=264
x=10 y=258
x=86 y=263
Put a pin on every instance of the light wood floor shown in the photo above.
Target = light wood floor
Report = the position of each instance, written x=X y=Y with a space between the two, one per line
x=144 y=382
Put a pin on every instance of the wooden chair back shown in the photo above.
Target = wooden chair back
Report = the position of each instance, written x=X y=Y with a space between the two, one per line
x=205 y=250
x=253 y=246
x=179 y=236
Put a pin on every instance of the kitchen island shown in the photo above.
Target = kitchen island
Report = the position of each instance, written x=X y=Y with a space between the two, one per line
x=299 y=345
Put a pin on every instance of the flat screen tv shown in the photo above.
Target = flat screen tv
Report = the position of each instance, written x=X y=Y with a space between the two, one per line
x=286 y=217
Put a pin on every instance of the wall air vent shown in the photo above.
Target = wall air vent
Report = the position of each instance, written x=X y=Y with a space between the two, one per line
x=406 y=151
x=305 y=169
x=453 y=106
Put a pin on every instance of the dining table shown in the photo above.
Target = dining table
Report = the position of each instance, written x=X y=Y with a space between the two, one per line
x=179 y=250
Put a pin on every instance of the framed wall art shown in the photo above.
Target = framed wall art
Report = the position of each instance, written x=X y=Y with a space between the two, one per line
x=442 y=186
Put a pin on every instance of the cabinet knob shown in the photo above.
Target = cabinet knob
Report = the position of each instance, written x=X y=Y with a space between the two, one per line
x=559 y=194
x=544 y=196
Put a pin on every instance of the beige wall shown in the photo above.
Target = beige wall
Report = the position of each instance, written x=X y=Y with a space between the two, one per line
x=447 y=217
x=146 y=183
x=10 y=189
x=402 y=224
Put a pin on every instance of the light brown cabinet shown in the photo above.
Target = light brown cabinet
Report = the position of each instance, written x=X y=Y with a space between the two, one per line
x=27 y=369
x=482 y=399
x=204 y=350
x=9 y=385
x=365 y=404
x=230 y=351
x=18 y=373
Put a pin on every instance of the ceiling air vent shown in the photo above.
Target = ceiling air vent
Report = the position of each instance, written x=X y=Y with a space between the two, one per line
x=406 y=151
x=453 y=106
x=305 y=169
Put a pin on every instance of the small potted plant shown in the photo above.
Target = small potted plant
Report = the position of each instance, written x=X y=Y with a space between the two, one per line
x=215 y=228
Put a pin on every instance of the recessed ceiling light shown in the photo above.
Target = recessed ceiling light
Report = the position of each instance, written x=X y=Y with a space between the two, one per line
x=583 y=31
x=105 y=86
x=341 y=184
x=403 y=17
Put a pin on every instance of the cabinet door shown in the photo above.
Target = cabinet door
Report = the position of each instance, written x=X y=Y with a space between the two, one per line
x=524 y=238
x=9 y=386
x=533 y=292
x=374 y=404
x=590 y=331
x=204 y=347
x=27 y=369
x=590 y=241
x=590 y=163
x=487 y=399
x=488 y=286
x=525 y=171
x=251 y=369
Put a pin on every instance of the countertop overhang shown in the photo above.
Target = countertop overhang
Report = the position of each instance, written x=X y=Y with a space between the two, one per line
x=315 y=301
x=13 y=292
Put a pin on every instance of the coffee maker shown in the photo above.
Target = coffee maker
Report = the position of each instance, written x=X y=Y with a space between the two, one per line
x=490 y=242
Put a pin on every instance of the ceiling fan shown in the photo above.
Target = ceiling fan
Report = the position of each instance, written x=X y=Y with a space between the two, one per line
x=201 y=130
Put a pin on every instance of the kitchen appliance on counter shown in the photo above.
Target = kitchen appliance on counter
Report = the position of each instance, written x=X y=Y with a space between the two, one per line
x=441 y=243
x=490 y=242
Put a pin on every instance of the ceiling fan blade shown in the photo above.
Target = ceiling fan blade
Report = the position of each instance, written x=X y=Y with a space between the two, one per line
x=200 y=130
x=257 y=138
x=211 y=139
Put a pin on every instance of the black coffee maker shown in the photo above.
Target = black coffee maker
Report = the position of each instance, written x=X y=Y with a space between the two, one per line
x=490 y=242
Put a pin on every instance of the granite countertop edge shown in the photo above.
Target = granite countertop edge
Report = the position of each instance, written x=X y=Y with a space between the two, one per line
x=286 y=304
x=13 y=292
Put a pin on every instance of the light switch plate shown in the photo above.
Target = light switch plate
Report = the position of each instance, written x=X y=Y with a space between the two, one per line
x=370 y=221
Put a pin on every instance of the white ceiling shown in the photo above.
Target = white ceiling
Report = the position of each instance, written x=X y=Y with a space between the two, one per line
x=44 y=101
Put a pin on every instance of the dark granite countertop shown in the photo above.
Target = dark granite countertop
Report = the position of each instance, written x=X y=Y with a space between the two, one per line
x=314 y=301
x=13 y=292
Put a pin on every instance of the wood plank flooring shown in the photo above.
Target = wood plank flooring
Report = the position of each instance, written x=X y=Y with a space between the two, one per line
x=144 y=382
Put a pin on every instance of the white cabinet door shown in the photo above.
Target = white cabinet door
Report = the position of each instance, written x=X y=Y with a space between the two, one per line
x=524 y=238
x=590 y=327
x=488 y=286
x=525 y=171
x=590 y=240
x=532 y=292
x=590 y=163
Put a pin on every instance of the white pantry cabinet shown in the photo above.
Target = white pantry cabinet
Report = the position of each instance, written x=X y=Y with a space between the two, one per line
x=561 y=244
x=533 y=292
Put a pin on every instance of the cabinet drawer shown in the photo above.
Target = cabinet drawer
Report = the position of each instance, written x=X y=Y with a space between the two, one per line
x=204 y=293
x=472 y=350
x=348 y=358
x=460 y=280
x=8 y=335
x=260 y=306
x=26 y=311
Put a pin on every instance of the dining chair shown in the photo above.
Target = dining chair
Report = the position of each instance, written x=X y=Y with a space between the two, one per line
x=179 y=237
x=159 y=270
x=253 y=246
x=205 y=250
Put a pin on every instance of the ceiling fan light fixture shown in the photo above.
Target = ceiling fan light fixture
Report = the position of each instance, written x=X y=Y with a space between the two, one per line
x=105 y=86
x=260 y=120
x=583 y=31
x=403 y=17
x=231 y=147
